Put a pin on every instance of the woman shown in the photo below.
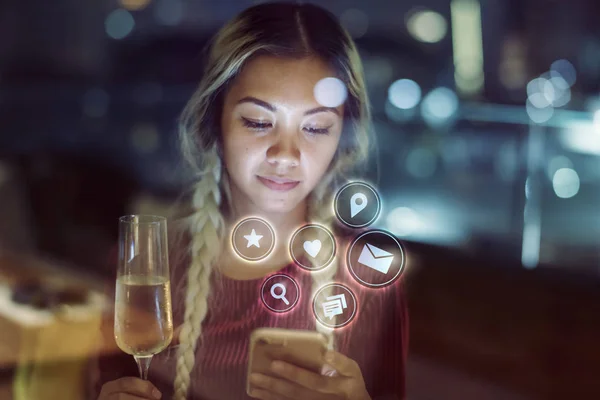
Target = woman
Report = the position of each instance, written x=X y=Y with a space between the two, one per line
x=268 y=148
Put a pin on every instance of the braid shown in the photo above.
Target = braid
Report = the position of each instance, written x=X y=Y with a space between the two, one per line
x=318 y=212
x=206 y=226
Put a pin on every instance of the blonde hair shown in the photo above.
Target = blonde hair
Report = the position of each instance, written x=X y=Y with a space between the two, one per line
x=280 y=29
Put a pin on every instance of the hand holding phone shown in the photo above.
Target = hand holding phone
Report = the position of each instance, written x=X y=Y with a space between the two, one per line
x=305 y=349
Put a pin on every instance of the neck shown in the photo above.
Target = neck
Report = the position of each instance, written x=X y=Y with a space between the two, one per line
x=284 y=223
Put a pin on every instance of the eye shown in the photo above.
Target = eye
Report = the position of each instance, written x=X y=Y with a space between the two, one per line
x=256 y=126
x=317 y=131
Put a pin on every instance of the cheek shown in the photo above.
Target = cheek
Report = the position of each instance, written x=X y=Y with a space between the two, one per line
x=319 y=158
x=240 y=156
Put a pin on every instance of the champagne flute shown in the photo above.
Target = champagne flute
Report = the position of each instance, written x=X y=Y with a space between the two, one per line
x=143 y=314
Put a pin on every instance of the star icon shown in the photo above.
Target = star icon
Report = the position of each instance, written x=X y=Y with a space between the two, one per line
x=253 y=239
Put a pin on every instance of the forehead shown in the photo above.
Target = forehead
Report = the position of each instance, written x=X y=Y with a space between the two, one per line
x=280 y=79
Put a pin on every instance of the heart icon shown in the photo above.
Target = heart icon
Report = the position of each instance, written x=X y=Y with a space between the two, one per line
x=312 y=248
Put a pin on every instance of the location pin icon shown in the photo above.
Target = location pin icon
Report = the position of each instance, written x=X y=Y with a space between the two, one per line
x=355 y=208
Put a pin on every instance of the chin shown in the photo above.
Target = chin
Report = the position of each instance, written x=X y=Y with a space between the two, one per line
x=277 y=204
x=274 y=206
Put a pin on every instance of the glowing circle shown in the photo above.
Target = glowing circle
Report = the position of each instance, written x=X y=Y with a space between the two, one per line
x=565 y=183
x=427 y=26
x=538 y=115
x=538 y=100
x=404 y=94
x=562 y=91
x=330 y=92
x=403 y=221
x=119 y=24
x=565 y=69
x=169 y=12
x=439 y=105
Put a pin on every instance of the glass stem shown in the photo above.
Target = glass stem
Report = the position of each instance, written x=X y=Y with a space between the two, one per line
x=143 y=364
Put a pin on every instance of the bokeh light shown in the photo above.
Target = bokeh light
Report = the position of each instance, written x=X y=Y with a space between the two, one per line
x=427 y=26
x=330 y=92
x=527 y=188
x=560 y=95
x=119 y=24
x=355 y=21
x=467 y=46
x=564 y=69
x=538 y=115
x=565 y=183
x=169 y=12
x=439 y=105
x=581 y=137
x=538 y=100
x=403 y=221
x=557 y=163
x=597 y=122
x=404 y=94
x=134 y=5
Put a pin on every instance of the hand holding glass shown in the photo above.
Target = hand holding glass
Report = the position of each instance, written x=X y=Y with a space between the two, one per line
x=143 y=315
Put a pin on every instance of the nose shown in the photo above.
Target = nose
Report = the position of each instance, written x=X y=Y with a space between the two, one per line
x=284 y=152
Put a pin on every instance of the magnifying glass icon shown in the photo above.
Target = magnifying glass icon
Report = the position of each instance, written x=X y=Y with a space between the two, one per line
x=280 y=296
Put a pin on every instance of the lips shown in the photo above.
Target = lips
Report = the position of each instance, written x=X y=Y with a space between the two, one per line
x=278 y=183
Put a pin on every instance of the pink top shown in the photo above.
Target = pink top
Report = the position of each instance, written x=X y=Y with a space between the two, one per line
x=377 y=338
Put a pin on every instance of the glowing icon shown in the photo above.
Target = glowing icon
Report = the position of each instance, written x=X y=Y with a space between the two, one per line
x=312 y=248
x=376 y=258
x=280 y=293
x=334 y=300
x=355 y=206
x=334 y=306
x=253 y=239
x=280 y=296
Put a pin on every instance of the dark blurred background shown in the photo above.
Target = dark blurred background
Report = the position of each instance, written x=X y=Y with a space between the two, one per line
x=487 y=117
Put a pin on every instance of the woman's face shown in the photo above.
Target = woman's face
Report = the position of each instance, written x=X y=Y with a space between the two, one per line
x=277 y=139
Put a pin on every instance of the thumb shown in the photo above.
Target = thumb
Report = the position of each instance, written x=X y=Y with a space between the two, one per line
x=342 y=364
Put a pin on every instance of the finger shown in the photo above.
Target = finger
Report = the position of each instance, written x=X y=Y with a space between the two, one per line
x=283 y=388
x=305 y=378
x=342 y=364
x=133 y=386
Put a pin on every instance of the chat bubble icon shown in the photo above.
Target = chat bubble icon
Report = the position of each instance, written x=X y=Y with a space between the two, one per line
x=334 y=305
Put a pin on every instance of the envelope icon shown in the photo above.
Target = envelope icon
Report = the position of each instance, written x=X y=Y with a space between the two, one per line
x=376 y=258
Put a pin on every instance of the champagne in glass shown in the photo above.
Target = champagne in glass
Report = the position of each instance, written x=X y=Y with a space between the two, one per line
x=143 y=316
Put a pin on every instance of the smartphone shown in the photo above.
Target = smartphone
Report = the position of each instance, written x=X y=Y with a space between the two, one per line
x=303 y=348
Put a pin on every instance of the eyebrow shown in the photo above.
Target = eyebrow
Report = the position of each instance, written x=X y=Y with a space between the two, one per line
x=272 y=108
